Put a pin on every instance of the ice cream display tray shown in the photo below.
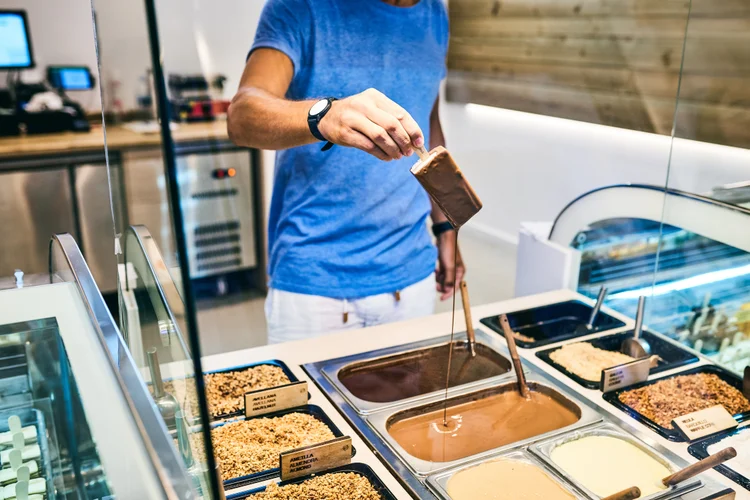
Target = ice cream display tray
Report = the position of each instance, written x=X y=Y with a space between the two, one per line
x=544 y=448
x=672 y=434
x=553 y=323
x=438 y=483
x=376 y=380
x=670 y=355
x=30 y=416
x=699 y=450
x=356 y=468
x=383 y=422
x=312 y=410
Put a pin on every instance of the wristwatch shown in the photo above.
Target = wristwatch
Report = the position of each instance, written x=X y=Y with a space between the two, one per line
x=441 y=227
x=316 y=113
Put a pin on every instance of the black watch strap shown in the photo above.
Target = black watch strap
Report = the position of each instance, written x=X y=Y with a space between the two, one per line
x=314 y=120
x=441 y=227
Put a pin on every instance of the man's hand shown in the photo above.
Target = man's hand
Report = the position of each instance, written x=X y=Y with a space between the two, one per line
x=373 y=123
x=446 y=275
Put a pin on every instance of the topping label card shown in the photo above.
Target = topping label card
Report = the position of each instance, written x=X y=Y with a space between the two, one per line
x=315 y=458
x=624 y=375
x=705 y=422
x=274 y=399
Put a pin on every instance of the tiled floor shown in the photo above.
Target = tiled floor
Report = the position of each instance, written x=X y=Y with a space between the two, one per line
x=239 y=322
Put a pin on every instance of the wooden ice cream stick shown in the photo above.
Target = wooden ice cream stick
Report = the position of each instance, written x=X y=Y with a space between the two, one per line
x=422 y=153
x=709 y=462
x=467 y=316
x=510 y=339
x=629 y=494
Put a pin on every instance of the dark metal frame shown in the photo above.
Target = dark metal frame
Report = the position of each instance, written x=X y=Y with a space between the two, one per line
x=170 y=164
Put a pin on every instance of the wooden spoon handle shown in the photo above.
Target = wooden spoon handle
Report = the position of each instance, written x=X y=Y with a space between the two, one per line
x=709 y=462
x=511 y=340
x=629 y=494
x=467 y=315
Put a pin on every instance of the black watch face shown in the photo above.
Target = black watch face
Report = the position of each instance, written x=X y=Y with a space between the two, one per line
x=318 y=107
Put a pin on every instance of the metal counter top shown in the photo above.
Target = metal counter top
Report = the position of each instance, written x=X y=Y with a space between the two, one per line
x=349 y=343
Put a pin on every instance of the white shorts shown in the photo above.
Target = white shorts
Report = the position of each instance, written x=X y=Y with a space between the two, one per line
x=294 y=316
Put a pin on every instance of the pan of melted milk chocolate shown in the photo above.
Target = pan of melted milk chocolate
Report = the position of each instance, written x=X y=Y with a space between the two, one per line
x=498 y=417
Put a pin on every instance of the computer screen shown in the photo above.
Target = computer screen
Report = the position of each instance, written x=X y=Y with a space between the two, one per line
x=15 y=44
x=70 y=77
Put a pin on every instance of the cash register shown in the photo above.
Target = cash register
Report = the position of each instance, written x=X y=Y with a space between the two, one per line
x=42 y=107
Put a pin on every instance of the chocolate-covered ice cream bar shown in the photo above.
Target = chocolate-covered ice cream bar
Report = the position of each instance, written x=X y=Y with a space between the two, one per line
x=443 y=180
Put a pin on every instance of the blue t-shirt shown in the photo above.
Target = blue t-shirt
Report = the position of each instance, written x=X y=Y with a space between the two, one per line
x=344 y=224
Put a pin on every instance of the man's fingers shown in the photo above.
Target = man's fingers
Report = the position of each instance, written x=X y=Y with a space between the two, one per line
x=379 y=136
x=361 y=141
x=416 y=137
x=393 y=126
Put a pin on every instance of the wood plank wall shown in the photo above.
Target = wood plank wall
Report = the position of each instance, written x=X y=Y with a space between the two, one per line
x=614 y=62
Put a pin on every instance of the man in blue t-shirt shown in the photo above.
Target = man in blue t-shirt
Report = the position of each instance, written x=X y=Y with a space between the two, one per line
x=348 y=240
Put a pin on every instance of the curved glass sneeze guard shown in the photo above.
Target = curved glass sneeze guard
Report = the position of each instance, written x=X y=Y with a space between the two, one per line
x=700 y=294
x=153 y=323
x=72 y=397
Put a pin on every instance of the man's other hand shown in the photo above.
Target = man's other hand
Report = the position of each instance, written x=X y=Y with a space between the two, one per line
x=372 y=122
x=446 y=275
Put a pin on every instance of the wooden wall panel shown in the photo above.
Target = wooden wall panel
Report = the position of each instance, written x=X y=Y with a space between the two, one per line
x=615 y=62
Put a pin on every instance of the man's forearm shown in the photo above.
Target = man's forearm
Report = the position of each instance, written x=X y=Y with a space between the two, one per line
x=259 y=119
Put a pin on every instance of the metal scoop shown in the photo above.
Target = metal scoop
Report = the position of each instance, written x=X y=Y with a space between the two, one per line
x=597 y=307
x=635 y=346
x=165 y=402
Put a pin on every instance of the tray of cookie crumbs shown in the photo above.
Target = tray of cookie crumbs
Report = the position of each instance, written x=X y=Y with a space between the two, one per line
x=656 y=403
x=226 y=388
x=348 y=482
x=248 y=448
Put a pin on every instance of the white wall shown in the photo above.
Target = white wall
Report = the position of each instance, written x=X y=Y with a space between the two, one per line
x=197 y=37
x=61 y=33
x=527 y=167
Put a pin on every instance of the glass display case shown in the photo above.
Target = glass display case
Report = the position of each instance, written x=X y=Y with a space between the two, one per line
x=76 y=419
x=700 y=293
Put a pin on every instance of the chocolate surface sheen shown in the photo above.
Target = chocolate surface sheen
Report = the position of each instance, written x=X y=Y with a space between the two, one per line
x=443 y=180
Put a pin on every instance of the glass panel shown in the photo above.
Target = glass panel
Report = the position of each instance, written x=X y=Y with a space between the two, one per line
x=152 y=287
x=705 y=291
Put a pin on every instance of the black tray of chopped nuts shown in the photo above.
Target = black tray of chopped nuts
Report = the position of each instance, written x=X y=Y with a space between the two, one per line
x=657 y=402
x=346 y=479
x=226 y=388
x=248 y=448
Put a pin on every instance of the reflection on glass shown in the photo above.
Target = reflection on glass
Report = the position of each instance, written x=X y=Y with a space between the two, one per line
x=39 y=389
x=707 y=263
x=155 y=322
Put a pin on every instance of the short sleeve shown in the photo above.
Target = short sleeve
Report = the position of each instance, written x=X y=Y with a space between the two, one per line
x=285 y=25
